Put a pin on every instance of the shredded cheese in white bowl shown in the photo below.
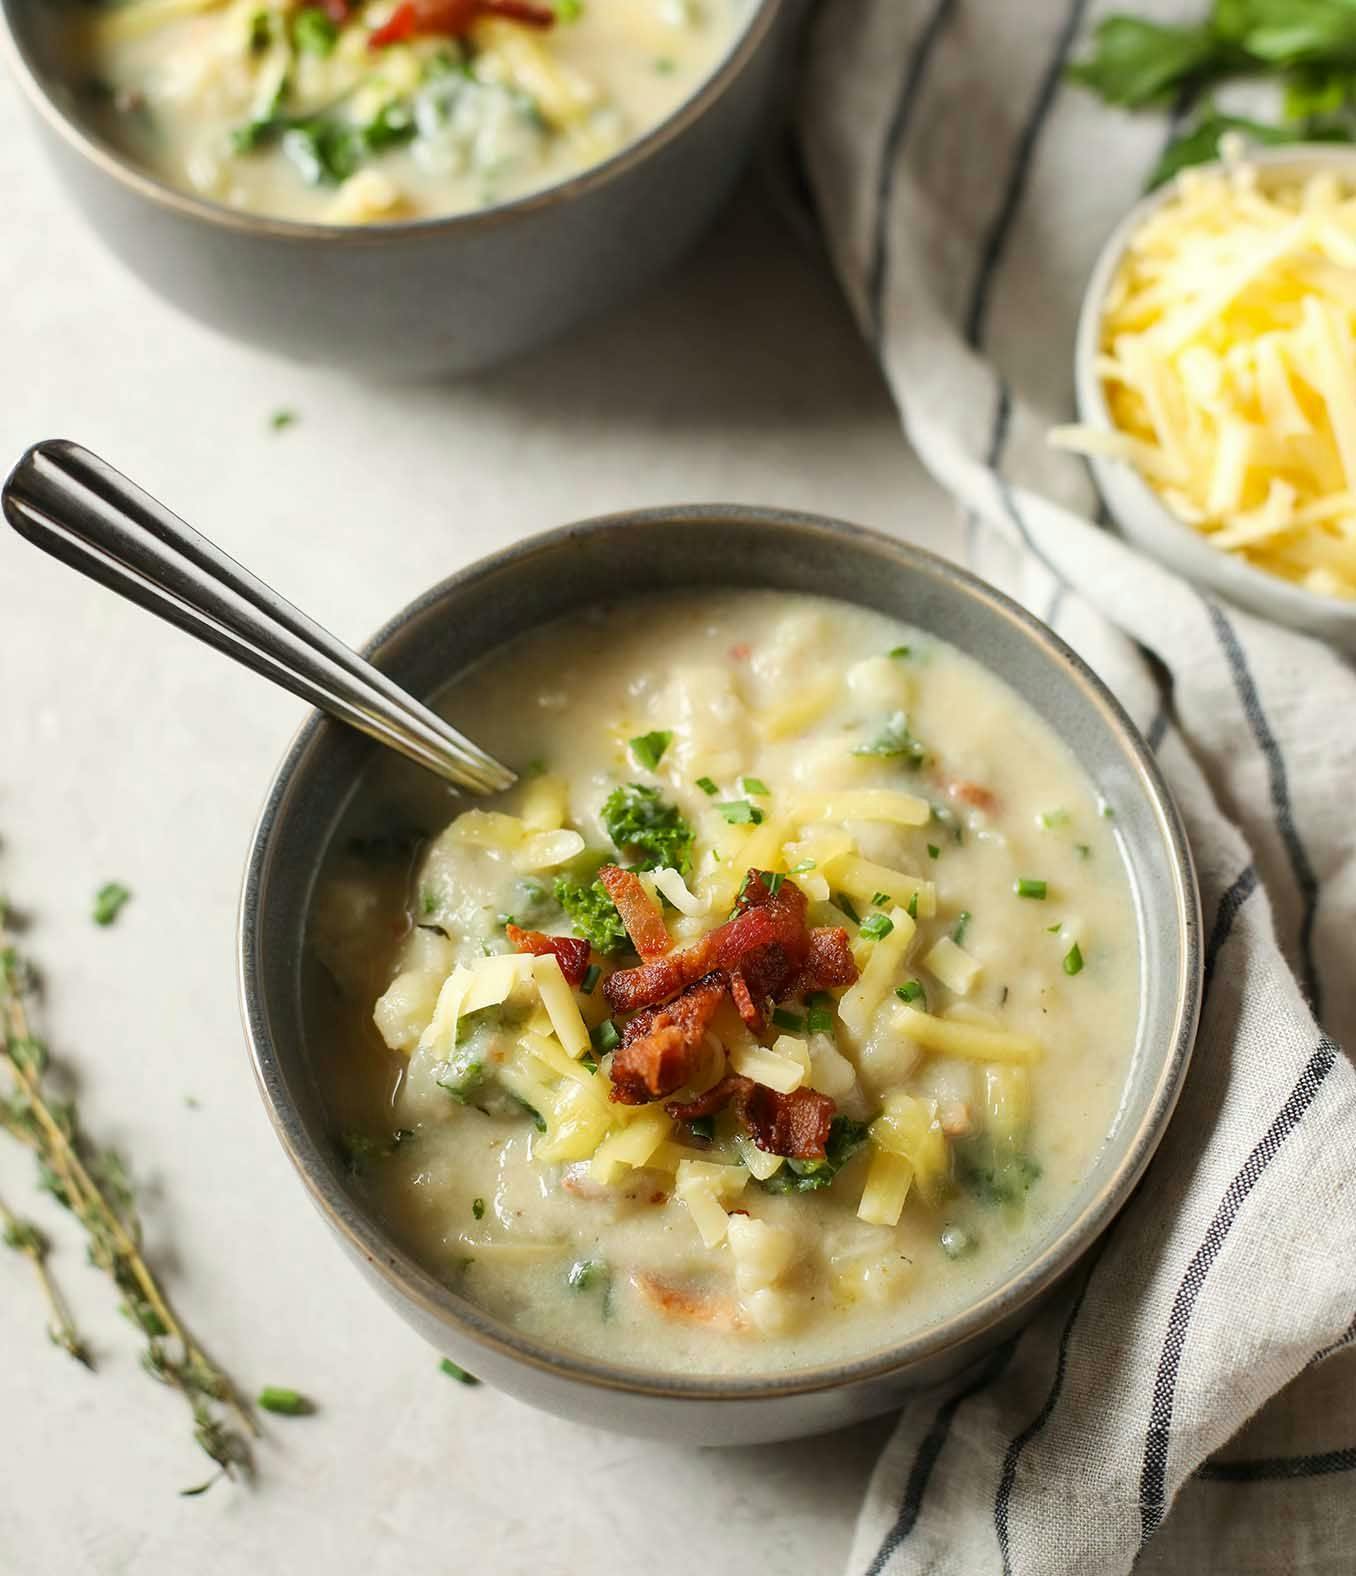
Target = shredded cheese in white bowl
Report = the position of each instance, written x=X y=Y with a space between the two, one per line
x=1216 y=382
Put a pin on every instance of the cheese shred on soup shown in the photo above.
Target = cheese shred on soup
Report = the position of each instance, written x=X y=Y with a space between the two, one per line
x=776 y=1013
x=363 y=111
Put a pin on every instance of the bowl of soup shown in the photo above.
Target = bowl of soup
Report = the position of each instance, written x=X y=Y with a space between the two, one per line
x=396 y=186
x=781 y=1040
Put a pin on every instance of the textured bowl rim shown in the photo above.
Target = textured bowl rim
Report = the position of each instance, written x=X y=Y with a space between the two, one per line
x=132 y=176
x=1221 y=571
x=412 y=1283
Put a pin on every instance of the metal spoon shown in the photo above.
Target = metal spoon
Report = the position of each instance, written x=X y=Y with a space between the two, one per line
x=73 y=505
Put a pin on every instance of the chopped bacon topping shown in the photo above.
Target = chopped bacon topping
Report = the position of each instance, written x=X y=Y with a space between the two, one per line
x=572 y=954
x=661 y=1048
x=973 y=794
x=451 y=18
x=828 y=963
x=795 y=1124
x=639 y=912
x=763 y=920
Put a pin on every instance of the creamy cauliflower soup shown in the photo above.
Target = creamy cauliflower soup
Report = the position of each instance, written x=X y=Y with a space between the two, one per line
x=775 y=1014
x=357 y=111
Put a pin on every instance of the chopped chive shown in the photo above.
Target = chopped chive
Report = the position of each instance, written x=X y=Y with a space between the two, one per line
x=1083 y=851
x=649 y=748
x=911 y=908
x=605 y=1037
x=801 y=868
x=665 y=65
x=286 y=1403
x=590 y=979
x=819 y=1020
x=1054 y=930
x=739 y=812
x=702 y=1126
x=788 y=1020
x=108 y=902
x=845 y=903
x=1030 y=886
x=819 y=998
x=912 y=991
x=457 y=1372
x=707 y=787
x=878 y=925
x=1073 y=960
x=1052 y=818
x=478 y=1208
x=1107 y=812
x=879 y=899
x=962 y=925
x=755 y=785
x=899 y=652
x=281 y=419
x=933 y=851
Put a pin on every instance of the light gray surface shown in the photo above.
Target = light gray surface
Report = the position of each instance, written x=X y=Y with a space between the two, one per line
x=128 y=751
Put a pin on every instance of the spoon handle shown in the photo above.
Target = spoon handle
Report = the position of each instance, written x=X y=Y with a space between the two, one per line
x=76 y=507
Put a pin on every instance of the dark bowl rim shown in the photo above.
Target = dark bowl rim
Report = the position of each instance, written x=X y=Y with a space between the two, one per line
x=410 y=1282
x=126 y=172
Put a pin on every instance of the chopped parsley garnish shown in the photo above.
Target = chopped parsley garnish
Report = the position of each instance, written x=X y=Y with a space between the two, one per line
x=478 y=1208
x=284 y=1402
x=962 y=925
x=819 y=1020
x=788 y=1020
x=1054 y=930
x=1073 y=960
x=592 y=914
x=912 y=990
x=739 y=812
x=1030 y=886
x=605 y=1037
x=899 y=653
x=108 y=902
x=1108 y=814
x=646 y=829
x=590 y=979
x=280 y=420
x=457 y=1372
x=893 y=742
x=649 y=748
x=462 y=1075
x=313 y=31
x=990 y=1178
x=707 y=787
x=584 y=1274
x=877 y=926
x=845 y=903
x=755 y=785
x=933 y=851
x=845 y=1138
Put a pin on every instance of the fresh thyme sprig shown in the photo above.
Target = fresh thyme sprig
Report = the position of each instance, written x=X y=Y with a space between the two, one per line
x=24 y=1237
x=94 y=1186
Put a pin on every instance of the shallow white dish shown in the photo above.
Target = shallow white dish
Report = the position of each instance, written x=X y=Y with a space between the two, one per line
x=1133 y=503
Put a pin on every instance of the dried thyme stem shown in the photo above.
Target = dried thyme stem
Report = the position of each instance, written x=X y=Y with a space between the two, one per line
x=25 y=1238
x=104 y=1207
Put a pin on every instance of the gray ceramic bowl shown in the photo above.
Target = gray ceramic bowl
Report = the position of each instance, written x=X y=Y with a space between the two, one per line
x=1142 y=515
x=423 y=297
x=426 y=646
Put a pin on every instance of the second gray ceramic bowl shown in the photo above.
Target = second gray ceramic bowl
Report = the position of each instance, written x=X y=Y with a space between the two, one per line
x=444 y=295
x=680 y=549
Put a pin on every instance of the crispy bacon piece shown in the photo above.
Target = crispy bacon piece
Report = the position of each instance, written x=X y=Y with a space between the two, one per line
x=973 y=794
x=763 y=920
x=571 y=953
x=660 y=1048
x=795 y=1124
x=452 y=18
x=829 y=962
x=639 y=912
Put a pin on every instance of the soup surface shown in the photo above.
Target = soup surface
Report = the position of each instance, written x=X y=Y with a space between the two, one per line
x=360 y=111
x=778 y=1011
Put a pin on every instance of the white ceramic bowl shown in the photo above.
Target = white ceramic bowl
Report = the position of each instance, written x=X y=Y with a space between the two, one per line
x=1136 y=507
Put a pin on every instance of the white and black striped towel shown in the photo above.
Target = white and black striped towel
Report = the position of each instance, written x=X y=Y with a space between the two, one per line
x=1186 y=1406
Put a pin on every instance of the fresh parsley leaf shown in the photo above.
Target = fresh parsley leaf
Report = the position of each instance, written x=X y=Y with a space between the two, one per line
x=739 y=812
x=647 y=829
x=1135 y=62
x=592 y=914
x=1200 y=144
x=649 y=748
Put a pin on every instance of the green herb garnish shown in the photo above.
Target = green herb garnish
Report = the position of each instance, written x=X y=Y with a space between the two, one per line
x=1073 y=960
x=649 y=748
x=584 y=1274
x=843 y=902
x=911 y=908
x=877 y=926
x=787 y=1020
x=568 y=10
x=880 y=899
x=819 y=1020
x=912 y=991
x=590 y=979
x=707 y=787
x=108 y=902
x=993 y=1177
x=592 y=914
x=894 y=741
x=845 y=1138
x=457 y=1372
x=605 y=1037
x=802 y=867
x=280 y=420
x=739 y=812
x=646 y=829
x=1083 y=851
x=478 y=1208
x=962 y=925
x=956 y=1241
x=899 y=653
x=702 y=1126
x=285 y=1402
x=755 y=785
x=1030 y=886
x=933 y=851
x=313 y=32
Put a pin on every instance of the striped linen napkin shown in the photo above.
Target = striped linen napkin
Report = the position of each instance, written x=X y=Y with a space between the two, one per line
x=1189 y=1403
